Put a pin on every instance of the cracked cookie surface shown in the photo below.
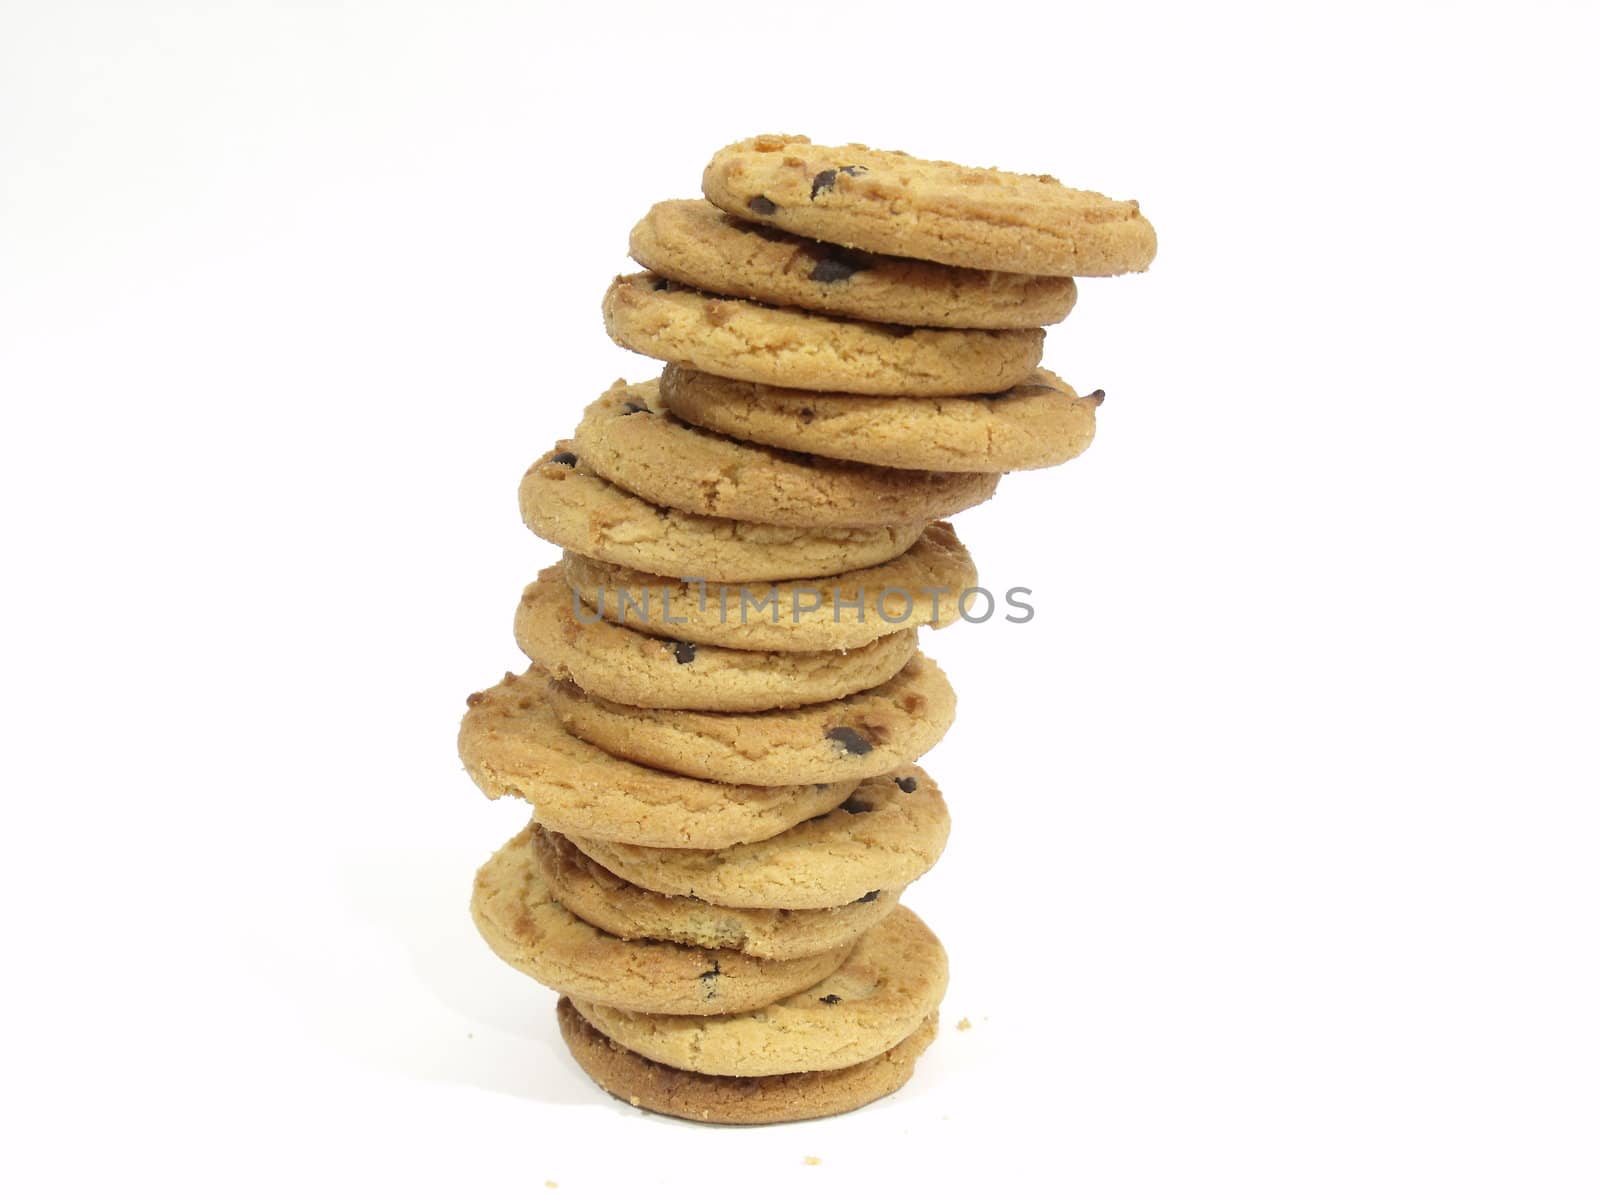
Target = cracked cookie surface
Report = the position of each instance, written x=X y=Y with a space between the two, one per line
x=617 y=663
x=565 y=503
x=607 y=901
x=1039 y=423
x=741 y=339
x=524 y=924
x=512 y=744
x=629 y=438
x=697 y=244
x=887 y=833
x=893 y=203
x=890 y=983
x=866 y=734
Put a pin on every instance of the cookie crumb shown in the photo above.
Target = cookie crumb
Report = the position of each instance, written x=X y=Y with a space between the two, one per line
x=812 y=1160
x=963 y=1024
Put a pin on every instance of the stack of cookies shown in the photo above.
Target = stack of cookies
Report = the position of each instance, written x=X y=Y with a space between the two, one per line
x=727 y=695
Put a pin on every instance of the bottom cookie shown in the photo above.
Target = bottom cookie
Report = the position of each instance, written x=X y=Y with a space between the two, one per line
x=730 y=1100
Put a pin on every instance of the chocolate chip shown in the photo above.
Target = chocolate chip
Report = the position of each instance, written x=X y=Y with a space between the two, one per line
x=630 y=408
x=868 y=898
x=683 y=652
x=661 y=285
x=708 y=976
x=806 y=415
x=760 y=204
x=1098 y=396
x=566 y=458
x=825 y=180
x=851 y=741
x=906 y=783
x=853 y=170
x=830 y=998
x=857 y=805
x=832 y=270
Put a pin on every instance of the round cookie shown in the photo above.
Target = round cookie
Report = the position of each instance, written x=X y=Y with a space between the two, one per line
x=891 y=203
x=512 y=745
x=571 y=641
x=1040 y=423
x=525 y=926
x=695 y=243
x=628 y=438
x=788 y=346
x=837 y=612
x=566 y=504
x=868 y=733
x=890 y=831
x=594 y=894
x=889 y=985
x=728 y=1099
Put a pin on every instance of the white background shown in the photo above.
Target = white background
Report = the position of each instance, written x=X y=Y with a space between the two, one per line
x=1273 y=870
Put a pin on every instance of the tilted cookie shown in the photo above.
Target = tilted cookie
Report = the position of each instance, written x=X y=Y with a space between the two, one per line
x=565 y=503
x=868 y=733
x=695 y=243
x=891 y=982
x=596 y=895
x=524 y=924
x=744 y=340
x=921 y=587
x=890 y=831
x=730 y=1099
x=1040 y=423
x=512 y=744
x=892 y=203
x=629 y=438
x=555 y=629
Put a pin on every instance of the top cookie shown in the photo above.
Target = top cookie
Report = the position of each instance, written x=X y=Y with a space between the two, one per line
x=698 y=244
x=891 y=203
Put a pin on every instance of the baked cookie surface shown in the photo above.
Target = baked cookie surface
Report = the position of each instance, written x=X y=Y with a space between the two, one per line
x=921 y=587
x=731 y=1100
x=697 y=244
x=866 y=734
x=596 y=895
x=618 y=663
x=741 y=339
x=1039 y=423
x=629 y=438
x=512 y=744
x=524 y=924
x=565 y=503
x=889 y=832
x=890 y=983
x=893 y=203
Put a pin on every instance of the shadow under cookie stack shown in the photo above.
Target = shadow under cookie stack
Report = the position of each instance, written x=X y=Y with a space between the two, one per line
x=727 y=698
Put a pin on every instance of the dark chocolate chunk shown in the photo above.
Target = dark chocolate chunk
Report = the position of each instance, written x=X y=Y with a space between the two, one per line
x=760 y=204
x=851 y=741
x=830 y=998
x=832 y=270
x=856 y=805
x=630 y=408
x=906 y=783
x=868 y=898
x=853 y=170
x=825 y=180
x=683 y=652
x=708 y=976
x=566 y=458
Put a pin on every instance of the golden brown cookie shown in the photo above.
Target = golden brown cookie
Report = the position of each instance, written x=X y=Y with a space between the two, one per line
x=869 y=733
x=889 y=985
x=729 y=1099
x=628 y=438
x=596 y=895
x=523 y=924
x=888 y=833
x=567 y=504
x=743 y=340
x=1039 y=423
x=921 y=587
x=891 y=203
x=513 y=745
x=561 y=634
x=697 y=244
